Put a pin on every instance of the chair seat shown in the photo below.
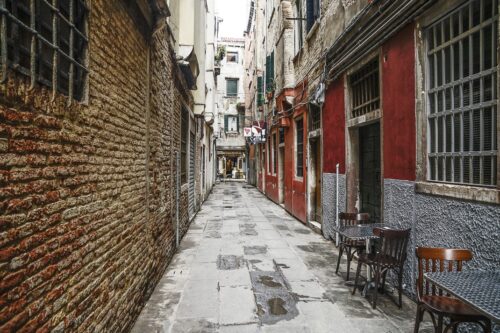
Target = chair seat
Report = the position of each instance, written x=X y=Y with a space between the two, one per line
x=449 y=306
x=371 y=258
x=354 y=243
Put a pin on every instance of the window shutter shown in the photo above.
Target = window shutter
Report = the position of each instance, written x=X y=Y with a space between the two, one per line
x=272 y=68
x=260 y=91
x=238 y=123
x=310 y=14
x=225 y=123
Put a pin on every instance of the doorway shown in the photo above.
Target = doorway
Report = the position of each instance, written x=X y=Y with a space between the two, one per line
x=369 y=171
x=281 y=175
x=315 y=180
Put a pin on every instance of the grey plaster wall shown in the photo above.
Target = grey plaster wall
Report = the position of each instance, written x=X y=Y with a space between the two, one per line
x=329 y=184
x=443 y=222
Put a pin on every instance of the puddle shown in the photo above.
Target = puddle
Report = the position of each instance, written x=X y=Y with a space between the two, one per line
x=276 y=306
x=251 y=250
x=282 y=227
x=229 y=262
x=269 y=281
x=302 y=231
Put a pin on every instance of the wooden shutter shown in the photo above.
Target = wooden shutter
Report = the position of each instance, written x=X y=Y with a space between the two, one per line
x=225 y=122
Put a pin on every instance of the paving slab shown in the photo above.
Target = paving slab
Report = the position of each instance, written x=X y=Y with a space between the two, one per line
x=246 y=265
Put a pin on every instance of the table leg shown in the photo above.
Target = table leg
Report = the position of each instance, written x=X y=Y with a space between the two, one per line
x=368 y=271
x=368 y=268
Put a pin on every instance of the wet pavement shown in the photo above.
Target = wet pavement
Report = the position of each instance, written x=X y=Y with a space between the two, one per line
x=246 y=265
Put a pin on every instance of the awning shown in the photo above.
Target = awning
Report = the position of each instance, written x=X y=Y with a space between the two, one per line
x=187 y=60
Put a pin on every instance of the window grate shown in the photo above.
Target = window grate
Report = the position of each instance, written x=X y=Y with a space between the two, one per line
x=365 y=89
x=315 y=113
x=47 y=41
x=461 y=95
x=299 y=164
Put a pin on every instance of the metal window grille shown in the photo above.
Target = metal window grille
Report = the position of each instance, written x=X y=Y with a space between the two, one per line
x=282 y=135
x=315 y=114
x=462 y=95
x=300 y=148
x=184 y=144
x=231 y=87
x=365 y=89
x=47 y=41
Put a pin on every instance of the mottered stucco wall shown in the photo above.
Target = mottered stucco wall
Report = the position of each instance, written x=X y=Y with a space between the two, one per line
x=329 y=190
x=442 y=222
x=87 y=190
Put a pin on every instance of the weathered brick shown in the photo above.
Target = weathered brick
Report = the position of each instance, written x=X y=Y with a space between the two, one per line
x=79 y=249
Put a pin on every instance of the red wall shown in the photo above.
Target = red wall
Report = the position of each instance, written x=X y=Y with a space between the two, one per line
x=294 y=190
x=398 y=102
x=334 y=128
x=272 y=186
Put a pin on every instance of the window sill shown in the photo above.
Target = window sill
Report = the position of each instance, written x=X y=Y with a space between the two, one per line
x=463 y=192
x=311 y=32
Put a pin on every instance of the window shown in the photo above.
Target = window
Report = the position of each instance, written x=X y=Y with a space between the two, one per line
x=268 y=157
x=313 y=8
x=298 y=25
x=365 y=89
x=33 y=54
x=231 y=123
x=462 y=95
x=184 y=143
x=315 y=114
x=282 y=135
x=260 y=91
x=231 y=87
x=232 y=57
x=275 y=153
x=270 y=72
x=299 y=152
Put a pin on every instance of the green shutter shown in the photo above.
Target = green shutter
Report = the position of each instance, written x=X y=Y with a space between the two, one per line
x=225 y=123
x=260 y=91
x=272 y=67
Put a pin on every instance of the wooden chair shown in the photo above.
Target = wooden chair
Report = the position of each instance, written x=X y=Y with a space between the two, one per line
x=390 y=257
x=347 y=245
x=432 y=300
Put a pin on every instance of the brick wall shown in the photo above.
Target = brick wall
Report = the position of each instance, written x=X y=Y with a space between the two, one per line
x=87 y=191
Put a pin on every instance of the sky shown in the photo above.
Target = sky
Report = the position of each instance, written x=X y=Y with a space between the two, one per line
x=235 y=17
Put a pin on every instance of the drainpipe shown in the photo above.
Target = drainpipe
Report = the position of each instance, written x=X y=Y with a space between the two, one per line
x=337 y=203
x=177 y=196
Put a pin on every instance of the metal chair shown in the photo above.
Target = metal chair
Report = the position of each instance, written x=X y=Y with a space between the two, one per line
x=390 y=257
x=432 y=300
x=347 y=245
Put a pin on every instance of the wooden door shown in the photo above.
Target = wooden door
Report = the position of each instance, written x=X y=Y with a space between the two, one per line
x=369 y=170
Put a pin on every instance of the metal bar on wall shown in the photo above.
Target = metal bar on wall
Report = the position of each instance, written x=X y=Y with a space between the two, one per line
x=177 y=196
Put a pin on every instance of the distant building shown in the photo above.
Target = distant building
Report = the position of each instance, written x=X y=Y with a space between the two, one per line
x=230 y=114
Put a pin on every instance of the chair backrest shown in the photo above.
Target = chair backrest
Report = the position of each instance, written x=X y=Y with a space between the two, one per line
x=394 y=243
x=433 y=259
x=347 y=219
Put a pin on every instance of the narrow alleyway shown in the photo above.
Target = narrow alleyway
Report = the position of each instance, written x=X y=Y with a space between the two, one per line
x=245 y=265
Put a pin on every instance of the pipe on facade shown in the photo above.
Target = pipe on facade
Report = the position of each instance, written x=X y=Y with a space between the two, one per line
x=394 y=22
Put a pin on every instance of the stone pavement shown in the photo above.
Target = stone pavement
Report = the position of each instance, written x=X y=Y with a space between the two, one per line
x=246 y=265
